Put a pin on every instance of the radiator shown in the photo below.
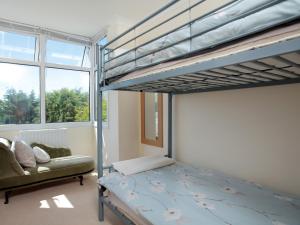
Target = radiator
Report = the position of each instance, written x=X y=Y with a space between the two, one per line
x=51 y=137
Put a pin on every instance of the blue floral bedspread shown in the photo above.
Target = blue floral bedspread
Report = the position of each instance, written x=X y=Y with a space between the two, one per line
x=181 y=194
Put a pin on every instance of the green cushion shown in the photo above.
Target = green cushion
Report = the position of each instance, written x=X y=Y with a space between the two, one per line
x=9 y=166
x=53 y=152
x=56 y=168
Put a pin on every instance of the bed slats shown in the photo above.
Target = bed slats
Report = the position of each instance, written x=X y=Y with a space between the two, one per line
x=279 y=69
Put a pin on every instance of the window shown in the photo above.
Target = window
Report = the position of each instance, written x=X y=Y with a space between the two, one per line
x=67 y=96
x=67 y=91
x=17 y=46
x=43 y=88
x=67 y=54
x=19 y=94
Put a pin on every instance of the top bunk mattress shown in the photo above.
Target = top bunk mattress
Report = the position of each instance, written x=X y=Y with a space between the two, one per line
x=239 y=19
x=181 y=194
x=273 y=36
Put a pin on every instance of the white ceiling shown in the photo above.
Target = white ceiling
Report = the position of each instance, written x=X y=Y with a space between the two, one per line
x=86 y=18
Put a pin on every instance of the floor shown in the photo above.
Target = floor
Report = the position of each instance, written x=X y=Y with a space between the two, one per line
x=65 y=203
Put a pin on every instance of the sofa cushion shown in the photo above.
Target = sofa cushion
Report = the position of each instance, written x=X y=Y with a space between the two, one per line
x=9 y=164
x=56 y=168
x=40 y=155
x=24 y=154
x=53 y=152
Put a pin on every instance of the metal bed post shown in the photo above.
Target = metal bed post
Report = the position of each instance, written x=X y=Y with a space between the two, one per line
x=99 y=132
x=170 y=120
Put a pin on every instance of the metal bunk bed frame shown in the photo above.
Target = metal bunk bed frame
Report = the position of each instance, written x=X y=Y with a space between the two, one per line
x=191 y=79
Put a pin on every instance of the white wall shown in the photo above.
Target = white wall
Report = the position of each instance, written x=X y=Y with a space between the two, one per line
x=250 y=133
x=128 y=125
x=120 y=138
x=110 y=133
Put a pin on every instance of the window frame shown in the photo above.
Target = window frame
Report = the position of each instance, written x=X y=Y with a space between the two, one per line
x=41 y=42
x=89 y=91
x=56 y=65
x=37 y=47
x=39 y=78
x=8 y=127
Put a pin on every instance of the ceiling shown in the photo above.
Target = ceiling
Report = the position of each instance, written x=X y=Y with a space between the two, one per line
x=86 y=18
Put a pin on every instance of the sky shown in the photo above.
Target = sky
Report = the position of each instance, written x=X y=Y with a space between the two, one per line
x=26 y=78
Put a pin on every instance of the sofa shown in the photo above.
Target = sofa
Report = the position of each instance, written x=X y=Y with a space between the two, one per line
x=62 y=165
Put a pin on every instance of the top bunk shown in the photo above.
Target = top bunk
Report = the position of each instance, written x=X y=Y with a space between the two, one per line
x=206 y=47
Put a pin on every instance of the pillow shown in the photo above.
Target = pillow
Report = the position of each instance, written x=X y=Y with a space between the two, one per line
x=41 y=156
x=24 y=154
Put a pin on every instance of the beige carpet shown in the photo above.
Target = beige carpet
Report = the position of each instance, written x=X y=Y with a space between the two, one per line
x=65 y=203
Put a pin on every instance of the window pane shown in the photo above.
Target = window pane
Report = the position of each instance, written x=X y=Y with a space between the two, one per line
x=67 y=54
x=67 y=96
x=17 y=46
x=103 y=41
x=104 y=108
x=104 y=103
x=19 y=94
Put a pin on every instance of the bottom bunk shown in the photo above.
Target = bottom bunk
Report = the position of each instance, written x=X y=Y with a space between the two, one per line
x=181 y=194
x=127 y=214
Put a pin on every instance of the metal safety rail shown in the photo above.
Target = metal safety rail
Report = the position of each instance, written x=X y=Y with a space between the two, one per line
x=105 y=51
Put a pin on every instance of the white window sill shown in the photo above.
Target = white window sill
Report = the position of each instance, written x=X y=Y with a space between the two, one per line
x=104 y=125
x=8 y=127
x=12 y=127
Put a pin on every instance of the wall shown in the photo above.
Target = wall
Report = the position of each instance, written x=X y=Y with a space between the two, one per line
x=250 y=133
x=110 y=133
x=128 y=125
x=120 y=137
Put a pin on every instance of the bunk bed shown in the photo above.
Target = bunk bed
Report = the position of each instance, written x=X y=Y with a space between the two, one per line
x=241 y=44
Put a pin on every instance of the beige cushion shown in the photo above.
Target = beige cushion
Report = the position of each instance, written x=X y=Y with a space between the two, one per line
x=41 y=156
x=24 y=154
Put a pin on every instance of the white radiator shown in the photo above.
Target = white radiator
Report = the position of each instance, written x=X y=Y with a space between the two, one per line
x=51 y=137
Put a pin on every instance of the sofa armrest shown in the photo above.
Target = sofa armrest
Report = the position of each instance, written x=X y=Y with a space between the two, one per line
x=9 y=166
x=53 y=152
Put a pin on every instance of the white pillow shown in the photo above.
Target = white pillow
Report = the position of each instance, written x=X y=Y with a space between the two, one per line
x=24 y=154
x=40 y=155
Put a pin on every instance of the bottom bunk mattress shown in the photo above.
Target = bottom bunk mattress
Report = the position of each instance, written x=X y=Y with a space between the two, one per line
x=181 y=194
